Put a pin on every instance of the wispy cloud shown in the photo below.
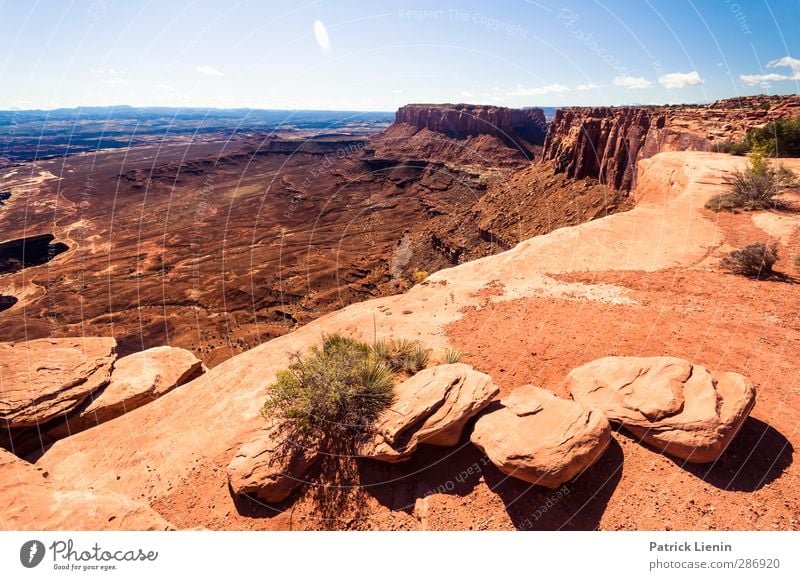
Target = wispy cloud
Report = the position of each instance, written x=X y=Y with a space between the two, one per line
x=209 y=71
x=630 y=82
x=765 y=79
x=106 y=71
x=680 y=80
x=587 y=87
x=536 y=91
x=321 y=36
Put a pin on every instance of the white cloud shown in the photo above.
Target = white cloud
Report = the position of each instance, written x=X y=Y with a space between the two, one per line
x=321 y=36
x=116 y=81
x=680 y=80
x=587 y=87
x=765 y=79
x=792 y=63
x=630 y=82
x=209 y=71
x=536 y=91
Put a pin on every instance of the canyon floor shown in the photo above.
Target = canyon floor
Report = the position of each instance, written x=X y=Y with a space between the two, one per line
x=642 y=282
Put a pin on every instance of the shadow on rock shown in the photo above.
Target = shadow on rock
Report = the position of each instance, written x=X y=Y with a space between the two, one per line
x=398 y=486
x=758 y=455
x=578 y=504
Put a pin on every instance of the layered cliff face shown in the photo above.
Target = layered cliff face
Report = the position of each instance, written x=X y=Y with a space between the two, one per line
x=521 y=130
x=461 y=121
x=606 y=143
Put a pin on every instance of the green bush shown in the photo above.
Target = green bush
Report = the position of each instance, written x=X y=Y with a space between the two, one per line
x=417 y=359
x=753 y=261
x=402 y=354
x=451 y=356
x=338 y=389
x=778 y=138
x=757 y=187
x=734 y=147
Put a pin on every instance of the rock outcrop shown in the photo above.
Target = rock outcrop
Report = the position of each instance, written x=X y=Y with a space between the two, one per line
x=30 y=499
x=540 y=438
x=136 y=380
x=432 y=407
x=273 y=463
x=474 y=135
x=46 y=378
x=677 y=407
x=461 y=121
x=606 y=143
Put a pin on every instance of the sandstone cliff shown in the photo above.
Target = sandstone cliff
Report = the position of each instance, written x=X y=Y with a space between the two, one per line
x=607 y=142
x=520 y=129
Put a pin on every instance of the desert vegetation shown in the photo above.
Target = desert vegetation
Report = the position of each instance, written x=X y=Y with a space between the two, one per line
x=778 y=138
x=337 y=388
x=754 y=260
x=340 y=387
x=758 y=187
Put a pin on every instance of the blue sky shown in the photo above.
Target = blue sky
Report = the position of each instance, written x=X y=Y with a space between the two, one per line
x=376 y=55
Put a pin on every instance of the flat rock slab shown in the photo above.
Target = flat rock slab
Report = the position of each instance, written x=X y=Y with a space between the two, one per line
x=45 y=378
x=432 y=407
x=677 y=407
x=30 y=500
x=540 y=438
x=273 y=463
x=136 y=380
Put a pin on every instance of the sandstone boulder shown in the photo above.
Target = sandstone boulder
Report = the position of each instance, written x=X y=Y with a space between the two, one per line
x=540 y=438
x=431 y=407
x=273 y=463
x=136 y=380
x=677 y=407
x=32 y=500
x=45 y=378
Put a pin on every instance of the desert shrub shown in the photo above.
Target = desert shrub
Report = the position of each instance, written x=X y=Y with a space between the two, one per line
x=417 y=359
x=419 y=276
x=753 y=261
x=402 y=354
x=779 y=138
x=734 y=147
x=757 y=187
x=451 y=356
x=339 y=388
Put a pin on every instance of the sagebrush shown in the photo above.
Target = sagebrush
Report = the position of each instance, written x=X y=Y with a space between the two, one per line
x=337 y=389
x=754 y=261
x=758 y=187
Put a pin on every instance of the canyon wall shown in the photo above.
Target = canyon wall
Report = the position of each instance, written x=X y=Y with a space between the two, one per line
x=607 y=142
x=515 y=127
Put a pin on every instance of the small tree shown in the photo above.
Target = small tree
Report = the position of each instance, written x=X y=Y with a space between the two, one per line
x=753 y=261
